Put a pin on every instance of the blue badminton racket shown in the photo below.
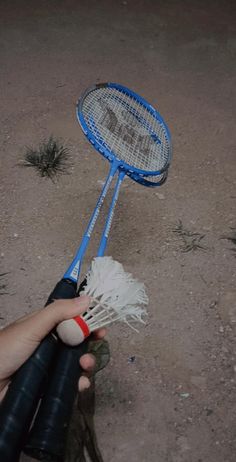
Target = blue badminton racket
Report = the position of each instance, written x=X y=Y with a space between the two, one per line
x=132 y=135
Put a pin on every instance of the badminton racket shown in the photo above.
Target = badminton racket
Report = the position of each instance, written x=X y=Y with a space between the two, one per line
x=101 y=112
x=128 y=131
x=47 y=437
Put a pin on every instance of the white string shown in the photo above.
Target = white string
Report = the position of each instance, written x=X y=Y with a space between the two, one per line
x=127 y=128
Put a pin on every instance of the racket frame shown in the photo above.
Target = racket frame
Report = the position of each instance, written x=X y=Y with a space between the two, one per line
x=110 y=155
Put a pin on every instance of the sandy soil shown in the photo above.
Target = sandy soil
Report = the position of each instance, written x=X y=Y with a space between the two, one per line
x=176 y=401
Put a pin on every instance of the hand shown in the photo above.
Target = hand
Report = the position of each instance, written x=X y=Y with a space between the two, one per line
x=20 y=339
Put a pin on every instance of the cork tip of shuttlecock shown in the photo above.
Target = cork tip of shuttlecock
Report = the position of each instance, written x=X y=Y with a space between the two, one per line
x=70 y=332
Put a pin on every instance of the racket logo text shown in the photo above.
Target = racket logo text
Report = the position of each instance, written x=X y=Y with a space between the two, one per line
x=125 y=129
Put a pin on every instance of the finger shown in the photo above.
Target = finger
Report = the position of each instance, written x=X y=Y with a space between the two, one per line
x=88 y=362
x=61 y=310
x=84 y=383
x=100 y=333
x=19 y=340
x=38 y=324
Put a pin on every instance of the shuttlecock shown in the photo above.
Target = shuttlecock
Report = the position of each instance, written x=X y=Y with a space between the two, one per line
x=115 y=296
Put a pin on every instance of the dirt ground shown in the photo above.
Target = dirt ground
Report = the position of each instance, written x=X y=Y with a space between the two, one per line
x=175 y=402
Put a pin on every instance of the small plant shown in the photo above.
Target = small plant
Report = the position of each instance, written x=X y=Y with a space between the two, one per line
x=191 y=240
x=3 y=285
x=49 y=159
x=231 y=238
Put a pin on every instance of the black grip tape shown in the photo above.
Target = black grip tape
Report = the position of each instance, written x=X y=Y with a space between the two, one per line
x=47 y=438
x=65 y=289
x=21 y=400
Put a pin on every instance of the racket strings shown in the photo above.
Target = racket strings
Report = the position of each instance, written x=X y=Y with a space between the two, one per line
x=127 y=128
x=128 y=134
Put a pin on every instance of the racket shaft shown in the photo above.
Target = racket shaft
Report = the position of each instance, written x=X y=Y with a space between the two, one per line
x=20 y=402
x=74 y=269
x=105 y=234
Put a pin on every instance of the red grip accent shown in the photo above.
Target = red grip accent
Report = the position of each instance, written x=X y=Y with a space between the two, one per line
x=82 y=324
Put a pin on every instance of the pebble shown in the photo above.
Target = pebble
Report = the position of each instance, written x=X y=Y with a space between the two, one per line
x=160 y=195
x=184 y=395
x=221 y=329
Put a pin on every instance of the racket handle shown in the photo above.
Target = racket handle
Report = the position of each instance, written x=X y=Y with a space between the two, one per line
x=47 y=438
x=20 y=402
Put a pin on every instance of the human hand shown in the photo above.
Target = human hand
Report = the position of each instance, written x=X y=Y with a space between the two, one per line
x=20 y=339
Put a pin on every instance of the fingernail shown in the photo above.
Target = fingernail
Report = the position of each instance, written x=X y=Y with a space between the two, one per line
x=84 y=383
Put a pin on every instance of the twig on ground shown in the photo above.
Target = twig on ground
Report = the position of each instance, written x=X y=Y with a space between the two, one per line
x=191 y=240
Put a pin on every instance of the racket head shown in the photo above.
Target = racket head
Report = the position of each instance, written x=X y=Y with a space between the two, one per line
x=125 y=128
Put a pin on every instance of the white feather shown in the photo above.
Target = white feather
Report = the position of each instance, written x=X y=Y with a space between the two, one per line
x=115 y=296
x=115 y=291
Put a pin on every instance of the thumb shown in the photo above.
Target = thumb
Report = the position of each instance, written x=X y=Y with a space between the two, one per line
x=45 y=320
x=20 y=339
x=37 y=325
